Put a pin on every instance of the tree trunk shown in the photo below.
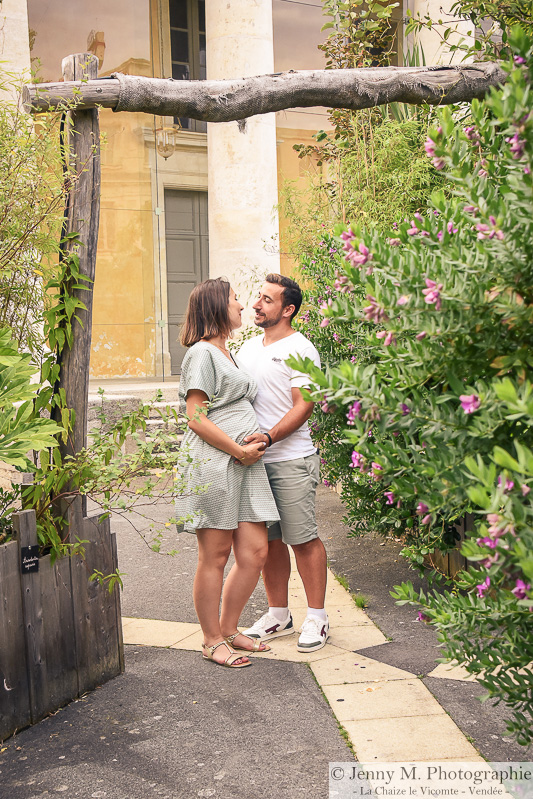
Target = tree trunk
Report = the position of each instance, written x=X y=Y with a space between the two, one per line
x=82 y=217
x=227 y=100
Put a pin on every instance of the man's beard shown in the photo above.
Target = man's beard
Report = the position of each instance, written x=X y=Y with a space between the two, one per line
x=268 y=322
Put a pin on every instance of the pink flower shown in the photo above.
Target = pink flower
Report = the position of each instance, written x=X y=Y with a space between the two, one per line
x=413 y=230
x=422 y=616
x=520 y=589
x=432 y=293
x=359 y=258
x=326 y=483
x=358 y=461
x=498 y=526
x=519 y=60
x=353 y=412
x=483 y=588
x=483 y=172
x=472 y=134
x=525 y=489
x=509 y=485
x=420 y=336
x=347 y=236
x=429 y=147
x=403 y=300
x=376 y=469
x=374 y=312
x=341 y=282
x=489 y=231
x=517 y=146
x=471 y=209
x=470 y=402
x=336 y=337
x=389 y=337
x=406 y=410
x=394 y=242
x=324 y=322
x=390 y=497
x=487 y=542
x=451 y=228
x=421 y=509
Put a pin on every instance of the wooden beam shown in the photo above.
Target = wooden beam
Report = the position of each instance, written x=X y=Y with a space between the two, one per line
x=227 y=100
x=82 y=217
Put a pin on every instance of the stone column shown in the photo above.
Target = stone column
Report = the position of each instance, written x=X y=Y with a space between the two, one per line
x=242 y=163
x=14 y=40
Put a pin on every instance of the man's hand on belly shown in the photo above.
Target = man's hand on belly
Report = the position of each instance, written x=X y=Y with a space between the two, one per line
x=257 y=438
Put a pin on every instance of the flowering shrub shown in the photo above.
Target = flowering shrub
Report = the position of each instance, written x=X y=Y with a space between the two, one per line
x=437 y=415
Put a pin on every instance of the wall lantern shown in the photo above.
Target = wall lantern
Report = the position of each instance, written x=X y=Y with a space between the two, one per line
x=165 y=140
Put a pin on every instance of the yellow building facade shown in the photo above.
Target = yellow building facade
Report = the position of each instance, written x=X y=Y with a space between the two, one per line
x=173 y=209
x=152 y=201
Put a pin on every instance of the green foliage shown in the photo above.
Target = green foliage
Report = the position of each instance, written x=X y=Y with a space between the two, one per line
x=128 y=483
x=385 y=172
x=361 y=34
x=492 y=22
x=376 y=166
x=21 y=429
x=434 y=411
x=31 y=200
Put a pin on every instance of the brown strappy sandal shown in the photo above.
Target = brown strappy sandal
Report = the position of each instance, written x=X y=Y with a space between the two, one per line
x=230 y=660
x=258 y=646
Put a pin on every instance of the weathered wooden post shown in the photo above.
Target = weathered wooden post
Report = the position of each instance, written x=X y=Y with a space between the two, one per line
x=82 y=148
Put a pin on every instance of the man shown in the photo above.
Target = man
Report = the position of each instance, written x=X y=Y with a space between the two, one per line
x=291 y=462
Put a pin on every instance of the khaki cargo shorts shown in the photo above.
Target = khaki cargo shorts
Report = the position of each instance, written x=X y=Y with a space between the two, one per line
x=293 y=484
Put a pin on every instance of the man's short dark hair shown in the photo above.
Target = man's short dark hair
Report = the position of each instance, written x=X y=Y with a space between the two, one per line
x=291 y=294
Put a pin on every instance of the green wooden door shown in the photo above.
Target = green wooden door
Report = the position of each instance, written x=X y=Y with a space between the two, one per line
x=187 y=258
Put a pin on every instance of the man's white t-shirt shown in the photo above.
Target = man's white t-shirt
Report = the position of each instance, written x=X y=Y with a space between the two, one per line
x=274 y=398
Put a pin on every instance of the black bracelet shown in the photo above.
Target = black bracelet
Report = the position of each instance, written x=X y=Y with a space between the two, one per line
x=269 y=439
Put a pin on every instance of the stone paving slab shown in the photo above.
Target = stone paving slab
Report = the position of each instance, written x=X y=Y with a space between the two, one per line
x=154 y=632
x=414 y=739
x=452 y=671
x=352 y=667
x=381 y=700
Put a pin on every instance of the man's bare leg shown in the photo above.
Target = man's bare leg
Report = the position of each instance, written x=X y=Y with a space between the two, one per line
x=311 y=561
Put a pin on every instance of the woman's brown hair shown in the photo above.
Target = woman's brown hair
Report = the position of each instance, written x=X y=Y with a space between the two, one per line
x=207 y=312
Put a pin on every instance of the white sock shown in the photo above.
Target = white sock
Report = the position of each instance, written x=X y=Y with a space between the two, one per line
x=281 y=614
x=319 y=612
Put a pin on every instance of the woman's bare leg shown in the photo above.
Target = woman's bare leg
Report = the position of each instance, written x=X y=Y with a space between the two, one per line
x=250 y=547
x=214 y=547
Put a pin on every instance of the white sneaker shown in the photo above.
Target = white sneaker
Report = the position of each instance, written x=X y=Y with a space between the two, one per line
x=269 y=627
x=314 y=634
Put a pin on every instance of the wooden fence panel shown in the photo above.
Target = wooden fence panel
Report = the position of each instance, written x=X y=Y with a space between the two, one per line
x=59 y=643
x=30 y=582
x=14 y=690
x=60 y=632
x=96 y=611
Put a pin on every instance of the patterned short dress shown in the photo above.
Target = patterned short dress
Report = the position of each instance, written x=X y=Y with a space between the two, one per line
x=234 y=493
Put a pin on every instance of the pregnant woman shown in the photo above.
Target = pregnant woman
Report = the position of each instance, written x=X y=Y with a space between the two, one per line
x=237 y=503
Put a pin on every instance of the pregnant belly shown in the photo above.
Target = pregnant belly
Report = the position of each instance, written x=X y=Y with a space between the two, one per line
x=237 y=420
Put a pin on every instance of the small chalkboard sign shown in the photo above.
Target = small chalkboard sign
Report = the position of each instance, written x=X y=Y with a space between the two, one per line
x=29 y=559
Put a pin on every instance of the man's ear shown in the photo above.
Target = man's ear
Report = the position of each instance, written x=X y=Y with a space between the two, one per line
x=288 y=310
